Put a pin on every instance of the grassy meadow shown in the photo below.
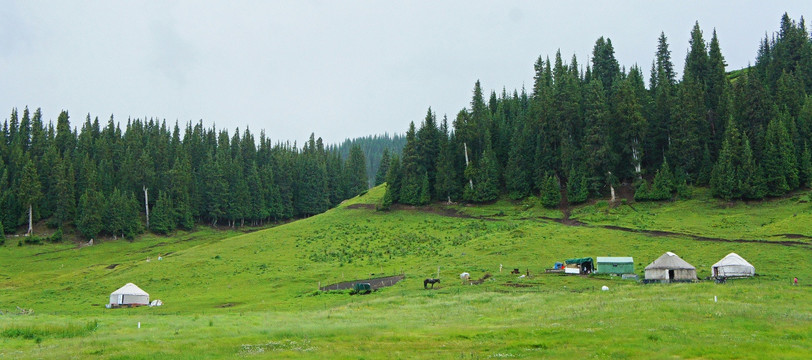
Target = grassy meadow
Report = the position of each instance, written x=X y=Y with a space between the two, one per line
x=229 y=294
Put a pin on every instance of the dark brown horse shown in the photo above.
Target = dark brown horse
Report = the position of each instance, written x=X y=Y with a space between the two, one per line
x=430 y=281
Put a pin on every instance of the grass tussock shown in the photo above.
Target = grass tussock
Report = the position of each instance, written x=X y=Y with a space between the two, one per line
x=49 y=330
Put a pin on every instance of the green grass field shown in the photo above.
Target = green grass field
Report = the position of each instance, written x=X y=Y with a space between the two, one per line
x=254 y=295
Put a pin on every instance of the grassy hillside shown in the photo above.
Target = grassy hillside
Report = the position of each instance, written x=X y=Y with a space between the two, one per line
x=255 y=295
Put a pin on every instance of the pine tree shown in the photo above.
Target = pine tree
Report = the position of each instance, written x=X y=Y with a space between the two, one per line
x=162 y=216
x=517 y=177
x=696 y=62
x=752 y=110
x=447 y=185
x=487 y=177
x=180 y=188
x=605 y=67
x=805 y=168
x=718 y=93
x=311 y=195
x=775 y=160
x=663 y=185
x=89 y=217
x=356 y=172
x=29 y=191
x=630 y=130
x=386 y=201
x=705 y=167
x=597 y=145
x=412 y=171
x=642 y=191
x=727 y=179
x=380 y=177
x=577 y=186
x=131 y=221
x=551 y=193
x=66 y=188
x=428 y=148
x=337 y=179
x=754 y=185
x=216 y=189
x=114 y=217
x=663 y=93
x=687 y=134
x=394 y=180
x=425 y=192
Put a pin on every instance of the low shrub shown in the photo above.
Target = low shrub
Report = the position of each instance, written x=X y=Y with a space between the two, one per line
x=33 y=240
x=57 y=236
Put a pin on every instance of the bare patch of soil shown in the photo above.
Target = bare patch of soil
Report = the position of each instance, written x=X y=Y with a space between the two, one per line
x=795 y=236
x=375 y=283
x=482 y=280
x=518 y=285
x=361 y=206
x=112 y=266
x=226 y=305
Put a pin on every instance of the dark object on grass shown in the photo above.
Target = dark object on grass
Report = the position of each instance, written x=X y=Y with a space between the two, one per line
x=430 y=281
x=361 y=288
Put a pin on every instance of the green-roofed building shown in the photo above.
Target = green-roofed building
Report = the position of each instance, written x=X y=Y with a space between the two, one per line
x=615 y=265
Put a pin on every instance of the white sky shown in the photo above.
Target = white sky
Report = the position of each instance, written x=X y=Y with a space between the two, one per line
x=341 y=69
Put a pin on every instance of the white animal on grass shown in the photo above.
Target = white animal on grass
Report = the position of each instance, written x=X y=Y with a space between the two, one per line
x=465 y=276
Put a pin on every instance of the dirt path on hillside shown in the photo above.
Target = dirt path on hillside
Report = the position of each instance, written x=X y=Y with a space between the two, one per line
x=375 y=283
x=567 y=221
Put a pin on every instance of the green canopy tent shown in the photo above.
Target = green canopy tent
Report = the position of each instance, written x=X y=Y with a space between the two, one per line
x=579 y=266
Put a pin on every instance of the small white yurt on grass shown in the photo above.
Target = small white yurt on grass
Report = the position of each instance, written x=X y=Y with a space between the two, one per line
x=670 y=267
x=732 y=265
x=129 y=295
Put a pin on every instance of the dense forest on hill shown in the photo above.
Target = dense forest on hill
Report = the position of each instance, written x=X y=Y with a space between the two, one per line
x=581 y=133
x=376 y=148
x=97 y=179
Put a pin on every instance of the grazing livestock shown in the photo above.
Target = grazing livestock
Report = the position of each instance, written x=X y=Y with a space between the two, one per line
x=464 y=277
x=430 y=281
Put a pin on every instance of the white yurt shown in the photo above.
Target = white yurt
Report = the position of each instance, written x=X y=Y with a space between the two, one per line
x=129 y=295
x=732 y=265
x=670 y=267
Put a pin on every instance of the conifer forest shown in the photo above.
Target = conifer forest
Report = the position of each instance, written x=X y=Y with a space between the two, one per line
x=583 y=131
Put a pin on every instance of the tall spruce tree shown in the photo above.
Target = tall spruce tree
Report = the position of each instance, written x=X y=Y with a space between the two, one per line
x=597 y=143
x=718 y=94
x=162 y=220
x=356 y=172
x=551 y=192
x=780 y=166
x=380 y=177
x=412 y=170
x=30 y=191
x=605 y=67
x=428 y=148
x=446 y=186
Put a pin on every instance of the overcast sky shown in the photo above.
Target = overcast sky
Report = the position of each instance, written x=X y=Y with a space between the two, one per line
x=341 y=69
